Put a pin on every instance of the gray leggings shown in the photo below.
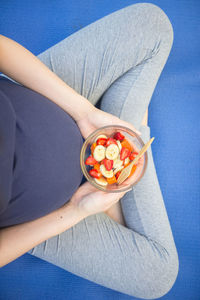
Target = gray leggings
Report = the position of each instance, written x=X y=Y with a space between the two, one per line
x=118 y=60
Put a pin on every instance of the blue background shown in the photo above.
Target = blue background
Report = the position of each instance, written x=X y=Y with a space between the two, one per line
x=174 y=118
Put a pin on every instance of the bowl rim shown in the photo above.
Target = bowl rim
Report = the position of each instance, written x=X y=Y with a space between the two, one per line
x=84 y=170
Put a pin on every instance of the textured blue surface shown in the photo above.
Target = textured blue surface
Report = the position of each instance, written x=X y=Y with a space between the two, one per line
x=174 y=120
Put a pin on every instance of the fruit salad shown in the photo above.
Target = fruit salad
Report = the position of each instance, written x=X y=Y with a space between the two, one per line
x=109 y=155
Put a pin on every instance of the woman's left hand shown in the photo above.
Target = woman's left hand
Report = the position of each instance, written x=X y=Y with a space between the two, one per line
x=88 y=200
x=97 y=118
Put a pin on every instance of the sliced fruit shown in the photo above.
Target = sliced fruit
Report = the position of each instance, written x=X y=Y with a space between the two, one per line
x=101 y=136
x=117 y=170
x=101 y=181
x=106 y=173
x=117 y=174
x=124 y=153
x=110 y=141
x=119 y=136
x=97 y=166
x=101 y=141
x=118 y=157
x=94 y=173
x=93 y=147
x=126 y=144
x=117 y=163
x=99 y=152
x=132 y=170
x=112 y=151
x=108 y=163
x=119 y=145
x=90 y=161
x=133 y=155
x=111 y=180
x=126 y=161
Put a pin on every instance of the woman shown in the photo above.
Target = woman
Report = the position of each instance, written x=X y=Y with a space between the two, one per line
x=121 y=241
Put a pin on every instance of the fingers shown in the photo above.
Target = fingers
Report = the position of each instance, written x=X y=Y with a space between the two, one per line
x=87 y=188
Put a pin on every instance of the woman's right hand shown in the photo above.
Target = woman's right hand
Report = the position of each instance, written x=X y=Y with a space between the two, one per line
x=89 y=200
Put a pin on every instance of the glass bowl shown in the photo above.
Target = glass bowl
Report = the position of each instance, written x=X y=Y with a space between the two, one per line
x=137 y=144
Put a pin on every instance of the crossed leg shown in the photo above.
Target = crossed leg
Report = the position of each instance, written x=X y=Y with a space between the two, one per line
x=119 y=59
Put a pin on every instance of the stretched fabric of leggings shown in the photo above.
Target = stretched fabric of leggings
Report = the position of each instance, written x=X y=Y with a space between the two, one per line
x=118 y=60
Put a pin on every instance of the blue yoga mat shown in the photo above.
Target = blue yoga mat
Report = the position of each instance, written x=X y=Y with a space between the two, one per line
x=173 y=118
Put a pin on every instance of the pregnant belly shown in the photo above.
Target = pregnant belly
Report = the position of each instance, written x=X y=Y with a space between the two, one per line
x=47 y=168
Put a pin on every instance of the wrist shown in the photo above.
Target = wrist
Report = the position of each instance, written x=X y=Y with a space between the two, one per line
x=84 y=109
x=69 y=100
x=75 y=211
x=60 y=220
x=75 y=104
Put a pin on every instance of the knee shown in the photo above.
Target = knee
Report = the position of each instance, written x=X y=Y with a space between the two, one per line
x=155 y=277
x=161 y=281
x=164 y=283
x=156 y=20
x=164 y=25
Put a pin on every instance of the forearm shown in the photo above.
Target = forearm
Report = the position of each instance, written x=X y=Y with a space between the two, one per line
x=18 y=239
x=21 y=65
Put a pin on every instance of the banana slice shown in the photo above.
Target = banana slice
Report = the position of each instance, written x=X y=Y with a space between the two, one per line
x=119 y=145
x=106 y=173
x=126 y=161
x=117 y=163
x=118 y=157
x=112 y=151
x=99 y=152
x=118 y=169
x=101 y=136
x=101 y=181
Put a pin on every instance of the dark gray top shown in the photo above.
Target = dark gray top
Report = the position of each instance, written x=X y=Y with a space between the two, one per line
x=39 y=155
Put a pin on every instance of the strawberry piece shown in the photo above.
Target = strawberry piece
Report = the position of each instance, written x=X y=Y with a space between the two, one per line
x=95 y=173
x=117 y=174
x=124 y=153
x=108 y=163
x=90 y=161
x=101 y=141
x=133 y=155
x=119 y=136
x=110 y=141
